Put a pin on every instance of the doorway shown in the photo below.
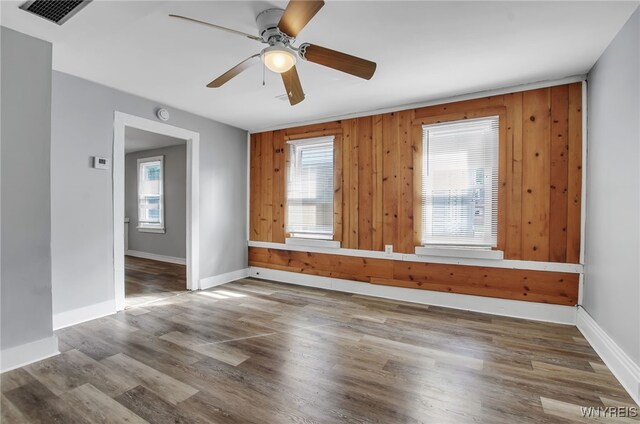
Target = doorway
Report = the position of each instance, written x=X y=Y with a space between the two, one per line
x=155 y=216
x=157 y=272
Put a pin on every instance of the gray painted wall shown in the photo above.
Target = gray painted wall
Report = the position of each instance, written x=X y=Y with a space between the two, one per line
x=612 y=265
x=174 y=241
x=26 y=195
x=81 y=207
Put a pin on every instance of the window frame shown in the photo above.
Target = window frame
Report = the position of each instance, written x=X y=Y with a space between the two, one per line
x=505 y=151
x=149 y=227
x=295 y=238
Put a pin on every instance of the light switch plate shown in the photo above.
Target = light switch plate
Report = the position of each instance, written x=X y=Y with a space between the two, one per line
x=388 y=249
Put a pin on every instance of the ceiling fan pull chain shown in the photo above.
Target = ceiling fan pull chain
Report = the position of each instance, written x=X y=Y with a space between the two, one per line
x=264 y=67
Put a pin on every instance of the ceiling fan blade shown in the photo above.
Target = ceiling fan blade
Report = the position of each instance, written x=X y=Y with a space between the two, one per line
x=337 y=60
x=292 y=84
x=233 y=31
x=297 y=15
x=247 y=63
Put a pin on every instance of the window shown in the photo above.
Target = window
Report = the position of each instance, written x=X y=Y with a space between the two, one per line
x=310 y=188
x=460 y=183
x=151 y=194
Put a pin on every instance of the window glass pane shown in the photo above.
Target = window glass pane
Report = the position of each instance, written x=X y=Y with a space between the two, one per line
x=310 y=188
x=152 y=171
x=150 y=208
x=150 y=193
x=460 y=183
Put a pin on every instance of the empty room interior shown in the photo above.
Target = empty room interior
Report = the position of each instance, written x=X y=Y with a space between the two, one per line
x=313 y=211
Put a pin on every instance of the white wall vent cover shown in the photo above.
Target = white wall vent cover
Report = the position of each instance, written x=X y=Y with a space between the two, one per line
x=58 y=11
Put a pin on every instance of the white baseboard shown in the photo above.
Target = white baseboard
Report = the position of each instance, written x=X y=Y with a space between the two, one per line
x=27 y=353
x=153 y=256
x=620 y=364
x=216 y=280
x=83 y=314
x=510 y=308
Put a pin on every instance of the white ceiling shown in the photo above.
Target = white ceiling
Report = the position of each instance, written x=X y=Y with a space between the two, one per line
x=424 y=51
x=136 y=140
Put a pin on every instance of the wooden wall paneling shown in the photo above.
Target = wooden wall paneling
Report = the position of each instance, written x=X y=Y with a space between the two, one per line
x=266 y=185
x=254 y=187
x=376 y=196
x=333 y=266
x=346 y=184
x=390 y=178
x=338 y=188
x=365 y=182
x=406 y=145
x=313 y=130
x=461 y=115
x=559 y=173
x=574 y=190
x=513 y=242
x=534 y=286
x=537 y=286
x=258 y=256
x=416 y=135
x=355 y=185
x=459 y=107
x=345 y=267
x=486 y=291
x=351 y=126
x=279 y=183
x=536 y=174
x=504 y=175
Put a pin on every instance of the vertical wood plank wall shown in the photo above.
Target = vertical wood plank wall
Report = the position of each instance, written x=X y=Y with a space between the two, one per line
x=540 y=174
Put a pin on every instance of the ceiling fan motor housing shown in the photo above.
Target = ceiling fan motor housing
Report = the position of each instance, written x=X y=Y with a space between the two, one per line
x=267 y=22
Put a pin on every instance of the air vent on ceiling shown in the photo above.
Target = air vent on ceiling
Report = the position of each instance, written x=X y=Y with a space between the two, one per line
x=58 y=11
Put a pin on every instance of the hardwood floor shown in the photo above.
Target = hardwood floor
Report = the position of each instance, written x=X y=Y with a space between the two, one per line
x=259 y=352
x=147 y=280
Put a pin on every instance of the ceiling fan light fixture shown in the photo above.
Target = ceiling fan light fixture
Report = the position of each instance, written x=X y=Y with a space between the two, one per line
x=278 y=58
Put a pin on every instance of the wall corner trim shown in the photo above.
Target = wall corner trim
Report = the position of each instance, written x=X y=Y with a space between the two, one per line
x=217 y=280
x=83 y=314
x=24 y=354
x=153 y=256
x=488 y=305
x=620 y=364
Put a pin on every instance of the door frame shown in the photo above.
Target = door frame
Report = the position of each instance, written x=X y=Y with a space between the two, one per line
x=192 y=138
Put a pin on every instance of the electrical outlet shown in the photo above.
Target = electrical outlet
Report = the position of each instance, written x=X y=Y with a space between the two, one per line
x=388 y=249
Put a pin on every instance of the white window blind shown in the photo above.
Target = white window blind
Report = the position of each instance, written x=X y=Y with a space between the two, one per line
x=310 y=188
x=151 y=193
x=460 y=183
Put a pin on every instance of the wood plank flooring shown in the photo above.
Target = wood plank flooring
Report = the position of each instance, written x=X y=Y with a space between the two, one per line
x=147 y=280
x=259 y=352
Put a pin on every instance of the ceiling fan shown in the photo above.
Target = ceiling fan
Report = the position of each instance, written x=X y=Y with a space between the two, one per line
x=278 y=28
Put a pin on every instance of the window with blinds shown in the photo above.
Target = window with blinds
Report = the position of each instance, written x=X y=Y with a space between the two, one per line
x=460 y=183
x=151 y=193
x=310 y=188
